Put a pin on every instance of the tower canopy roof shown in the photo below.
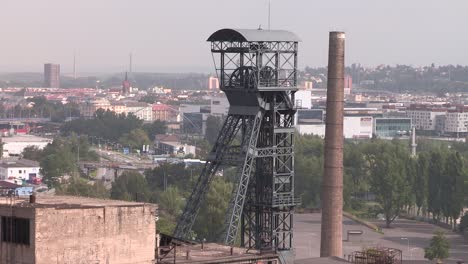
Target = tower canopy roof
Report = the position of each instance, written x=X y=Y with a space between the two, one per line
x=253 y=35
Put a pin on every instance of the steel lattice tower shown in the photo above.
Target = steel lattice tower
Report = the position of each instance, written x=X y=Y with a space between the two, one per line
x=258 y=73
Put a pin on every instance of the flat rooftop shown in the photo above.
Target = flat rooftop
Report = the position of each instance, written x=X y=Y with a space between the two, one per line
x=67 y=202
x=19 y=163
x=25 y=138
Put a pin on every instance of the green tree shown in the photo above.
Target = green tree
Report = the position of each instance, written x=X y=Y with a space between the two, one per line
x=32 y=153
x=456 y=189
x=434 y=199
x=80 y=187
x=155 y=128
x=464 y=222
x=171 y=201
x=308 y=169
x=388 y=179
x=135 y=139
x=420 y=182
x=438 y=248
x=130 y=186
x=213 y=210
x=105 y=125
x=56 y=165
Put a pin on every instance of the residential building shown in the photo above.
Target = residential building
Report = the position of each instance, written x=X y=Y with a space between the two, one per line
x=51 y=75
x=456 y=121
x=20 y=170
x=219 y=105
x=392 y=127
x=423 y=117
x=118 y=108
x=67 y=229
x=303 y=99
x=143 y=111
x=88 y=108
x=213 y=83
x=308 y=85
x=164 y=112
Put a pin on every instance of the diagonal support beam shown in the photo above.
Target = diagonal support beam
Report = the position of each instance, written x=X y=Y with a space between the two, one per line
x=225 y=137
x=236 y=205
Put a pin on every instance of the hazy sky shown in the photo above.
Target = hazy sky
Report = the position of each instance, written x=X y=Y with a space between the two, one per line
x=170 y=35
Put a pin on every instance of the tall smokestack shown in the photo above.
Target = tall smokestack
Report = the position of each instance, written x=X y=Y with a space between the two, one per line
x=332 y=183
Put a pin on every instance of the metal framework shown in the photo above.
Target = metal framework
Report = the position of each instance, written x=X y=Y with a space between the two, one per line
x=376 y=256
x=258 y=72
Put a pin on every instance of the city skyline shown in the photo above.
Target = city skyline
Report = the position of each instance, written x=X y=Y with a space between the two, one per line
x=160 y=38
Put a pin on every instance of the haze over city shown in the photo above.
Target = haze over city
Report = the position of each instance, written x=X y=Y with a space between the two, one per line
x=169 y=36
x=248 y=131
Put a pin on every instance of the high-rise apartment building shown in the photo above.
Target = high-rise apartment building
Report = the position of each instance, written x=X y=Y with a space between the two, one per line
x=52 y=75
x=213 y=83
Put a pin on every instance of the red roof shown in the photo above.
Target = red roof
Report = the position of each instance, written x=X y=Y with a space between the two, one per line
x=161 y=107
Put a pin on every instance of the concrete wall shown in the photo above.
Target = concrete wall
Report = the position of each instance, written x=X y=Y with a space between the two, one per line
x=95 y=235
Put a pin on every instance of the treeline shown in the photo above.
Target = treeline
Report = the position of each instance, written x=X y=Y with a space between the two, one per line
x=119 y=130
x=400 y=78
x=40 y=107
x=170 y=186
x=434 y=182
x=60 y=158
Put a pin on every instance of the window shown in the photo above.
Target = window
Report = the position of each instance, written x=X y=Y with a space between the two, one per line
x=15 y=230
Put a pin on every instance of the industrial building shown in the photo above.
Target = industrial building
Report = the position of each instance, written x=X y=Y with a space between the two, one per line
x=20 y=170
x=392 y=127
x=423 y=117
x=65 y=229
x=14 y=145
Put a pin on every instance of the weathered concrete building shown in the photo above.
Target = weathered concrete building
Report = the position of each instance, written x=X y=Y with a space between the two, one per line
x=63 y=229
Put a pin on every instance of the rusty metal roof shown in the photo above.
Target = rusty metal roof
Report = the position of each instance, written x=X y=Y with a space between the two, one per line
x=253 y=35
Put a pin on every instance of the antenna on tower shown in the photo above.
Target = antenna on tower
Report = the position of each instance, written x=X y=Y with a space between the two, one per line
x=269 y=13
x=130 y=64
x=74 y=65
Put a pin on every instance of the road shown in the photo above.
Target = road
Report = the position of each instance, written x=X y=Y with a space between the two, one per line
x=120 y=157
x=418 y=234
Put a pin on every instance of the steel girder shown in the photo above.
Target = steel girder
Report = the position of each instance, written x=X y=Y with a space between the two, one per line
x=229 y=130
x=236 y=204
x=259 y=79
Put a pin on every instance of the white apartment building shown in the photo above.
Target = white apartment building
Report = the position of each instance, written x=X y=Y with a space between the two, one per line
x=457 y=121
x=423 y=117
x=141 y=110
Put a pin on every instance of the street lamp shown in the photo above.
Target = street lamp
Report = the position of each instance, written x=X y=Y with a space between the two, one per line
x=407 y=239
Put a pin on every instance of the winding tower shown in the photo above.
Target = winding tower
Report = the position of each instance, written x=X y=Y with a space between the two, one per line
x=257 y=70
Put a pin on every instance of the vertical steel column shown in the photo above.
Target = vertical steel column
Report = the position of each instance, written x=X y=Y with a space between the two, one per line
x=332 y=184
